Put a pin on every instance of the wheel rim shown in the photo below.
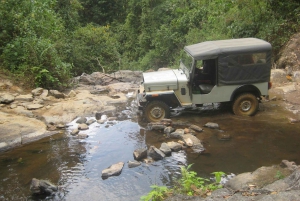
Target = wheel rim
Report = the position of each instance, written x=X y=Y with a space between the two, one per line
x=157 y=112
x=246 y=106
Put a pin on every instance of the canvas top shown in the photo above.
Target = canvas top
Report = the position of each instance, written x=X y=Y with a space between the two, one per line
x=212 y=49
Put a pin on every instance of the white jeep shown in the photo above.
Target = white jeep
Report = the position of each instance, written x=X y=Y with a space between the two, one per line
x=235 y=70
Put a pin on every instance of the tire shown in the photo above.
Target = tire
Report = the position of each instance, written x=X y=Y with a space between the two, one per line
x=156 y=111
x=245 y=105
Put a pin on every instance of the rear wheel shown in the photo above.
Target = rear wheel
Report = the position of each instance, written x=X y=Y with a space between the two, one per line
x=245 y=104
x=156 y=111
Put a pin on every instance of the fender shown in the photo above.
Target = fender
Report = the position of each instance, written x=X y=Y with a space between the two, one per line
x=169 y=98
x=244 y=89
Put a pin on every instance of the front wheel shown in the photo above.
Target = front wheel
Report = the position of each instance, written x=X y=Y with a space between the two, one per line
x=156 y=111
x=245 y=104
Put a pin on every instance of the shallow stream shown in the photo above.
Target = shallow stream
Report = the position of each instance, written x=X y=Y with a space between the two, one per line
x=75 y=165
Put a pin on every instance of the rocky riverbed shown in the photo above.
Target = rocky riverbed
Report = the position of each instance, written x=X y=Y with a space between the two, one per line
x=25 y=117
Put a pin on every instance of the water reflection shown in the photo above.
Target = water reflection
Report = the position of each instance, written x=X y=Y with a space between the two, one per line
x=76 y=164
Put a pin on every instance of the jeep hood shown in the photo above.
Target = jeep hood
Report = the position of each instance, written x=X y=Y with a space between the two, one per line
x=161 y=80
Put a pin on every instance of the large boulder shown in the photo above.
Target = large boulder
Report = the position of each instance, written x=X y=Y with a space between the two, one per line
x=42 y=187
x=155 y=153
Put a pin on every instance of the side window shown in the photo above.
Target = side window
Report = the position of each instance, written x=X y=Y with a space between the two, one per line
x=246 y=59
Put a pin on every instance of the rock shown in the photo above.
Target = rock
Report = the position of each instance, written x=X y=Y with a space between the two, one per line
x=75 y=131
x=57 y=94
x=177 y=134
x=90 y=121
x=148 y=160
x=81 y=120
x=6 y=98
x=296 y=76
x=174 y=146
x=37 y=91
x=224 y=136
x=98 y=115
x=71 y=94
x=165 y=149
x=140 y=154
x=44 y=94
x=212 y=125
x=286 y=89
x=196 y=128
x=278 y=75
x=83 y=127
x=292 y=120
x=260 y=178
x=34 y=106
x=155 y=153
x=101 y=121
x=42 y=187
x=168 y=130
x=38 y=101
x=193 y=142
x=82 y=136
x=291 y=165
x=166 y=122
x=156 y=126
x=61 y=126
x=24 y=98
x=186 y=130
x=112 y=118
x=113 y=170
x=132 y=164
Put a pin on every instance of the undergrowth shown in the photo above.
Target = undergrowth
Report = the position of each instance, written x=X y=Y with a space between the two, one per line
x=189 y=184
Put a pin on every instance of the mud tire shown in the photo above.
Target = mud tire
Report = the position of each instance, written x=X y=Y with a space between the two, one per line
x=156 y=111
x=245 y=104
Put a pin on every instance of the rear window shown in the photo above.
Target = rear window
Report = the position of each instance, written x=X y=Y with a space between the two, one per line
x=246 y=59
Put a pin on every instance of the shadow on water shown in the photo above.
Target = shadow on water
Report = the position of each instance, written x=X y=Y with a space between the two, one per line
x=76 y=164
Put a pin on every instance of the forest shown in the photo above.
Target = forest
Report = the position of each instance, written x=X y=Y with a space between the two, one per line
x=45 y=43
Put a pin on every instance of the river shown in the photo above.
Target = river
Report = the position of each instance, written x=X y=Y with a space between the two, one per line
x=75 y=165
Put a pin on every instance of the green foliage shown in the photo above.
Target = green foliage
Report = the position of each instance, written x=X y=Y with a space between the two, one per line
x=93 y=49
x=279 y=175
x=189 y=179
x=157 y=193
x=49 y=41
x=189 y=184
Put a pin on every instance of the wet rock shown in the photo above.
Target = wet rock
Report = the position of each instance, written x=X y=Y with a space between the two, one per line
x=166 y=122
x=42 y=187
x=37 y=91
x=81 y=120
x=224 y=136
x=292 y=120
x=212 y=125
x=177 y=134
x=155 y=153
x=82 y=136
x=75 y=131
x=168 y=130
x=83 y=127
x=101 y=121
x=165 y=149
x=34 y=106
x=112 y=118
x=61 y=126
x=57 y=94
x=6 y=98
x=24 y=98
x=174 y=146
x=98 y=115
x=140 y=154
x=148 y=160
x=156 y=126
x=90 y=121
x=132 y=164
x=113 y=170
x=196 y=128
x=193 y=142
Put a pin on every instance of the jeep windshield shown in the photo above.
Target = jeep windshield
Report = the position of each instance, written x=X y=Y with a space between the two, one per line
x=186 y=63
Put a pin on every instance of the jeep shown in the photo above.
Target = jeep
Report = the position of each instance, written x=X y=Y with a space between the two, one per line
x=235 y=71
